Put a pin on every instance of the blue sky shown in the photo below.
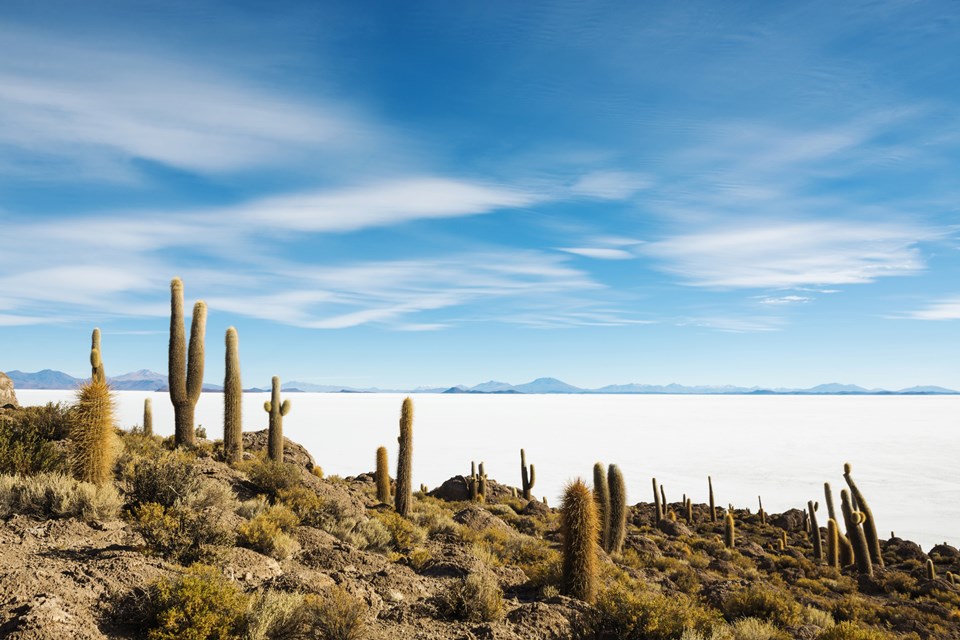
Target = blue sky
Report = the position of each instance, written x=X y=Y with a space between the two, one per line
x=400 y=194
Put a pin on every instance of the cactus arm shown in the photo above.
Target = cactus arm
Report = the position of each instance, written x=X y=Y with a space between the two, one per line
x=285 y=408
x=195 y=358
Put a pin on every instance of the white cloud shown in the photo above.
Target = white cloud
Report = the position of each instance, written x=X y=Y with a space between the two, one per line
x=785 y=300
x=611 y=185
x=946 y=309
x=600 y=253
x=735 y=324
x=787 y=255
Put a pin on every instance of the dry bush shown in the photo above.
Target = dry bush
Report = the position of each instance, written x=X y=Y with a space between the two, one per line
x=275 y=615
x=268 y=533
x=335 y=616
x=27 y=438
x=200 y=605
x=53 y=495
x=475 y=598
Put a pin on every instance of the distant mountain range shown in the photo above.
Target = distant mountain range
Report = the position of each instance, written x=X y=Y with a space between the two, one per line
x=145 y=380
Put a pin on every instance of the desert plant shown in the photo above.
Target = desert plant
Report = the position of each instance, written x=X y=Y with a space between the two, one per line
x=729 y=531
x=97 y=373
x=618 y=509
x=200 y=605
x=931 y=570
x=815 y=531
x=336 y=616
x=833 y=543
x=528 y=477
x=765 y=602
x=828 y=496
x=713 y=506
x=761 y=512
x=689 y=506
x=851 y=631
x=578 y=530
x=93 y=427
x=268 y=532
x=852 y=520
x=147 y=417
x=657 y=505
x=275 y=615
x=482 y=484
x=185 y=372
x=232 y=401
x=276 y=410
x=869 y=524
x=475 y=598
x=601 y=493
x=271 y=476
x=404 y=496
x=27 y=439
x=383 y=476
x=53 y=495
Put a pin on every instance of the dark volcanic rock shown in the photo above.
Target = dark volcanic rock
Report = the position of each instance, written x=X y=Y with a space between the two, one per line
x=791 y=520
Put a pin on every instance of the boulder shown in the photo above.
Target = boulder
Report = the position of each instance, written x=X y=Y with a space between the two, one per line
x=790 y=520
x=293 y=453
x=8 y=399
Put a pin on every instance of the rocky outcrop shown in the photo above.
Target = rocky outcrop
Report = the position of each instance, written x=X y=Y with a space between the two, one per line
x=7 y=397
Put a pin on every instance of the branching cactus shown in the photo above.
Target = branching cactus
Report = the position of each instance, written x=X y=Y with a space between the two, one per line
x=815 y=532
x=147 y=417
x=276 y=410
x=618 y=509
x=833 y=544
x=404 y=495
x=528 y=478
x=713 y=506
x=383 y=476
x=852 y=520
x=729 y=531
x=578 y=530
x=869 y=525
x=232 y=401
x=185 y=371
x=601 y=493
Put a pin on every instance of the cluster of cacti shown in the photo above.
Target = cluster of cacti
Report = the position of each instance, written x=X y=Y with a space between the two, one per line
x=527 y=477
x=383 y=476
x=601 y=493
x=815 y=531
x=852 y=520
x=579 y=530
x=404 y=494
x=185 y=371
x=618 y=510
x=92 y=424
x=869 y=525
x=147 y=417
x=477 y=483
x=277 y=410
x=232 y=401
x=729 y=530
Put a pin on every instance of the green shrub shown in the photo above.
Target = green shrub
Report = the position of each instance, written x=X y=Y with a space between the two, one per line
x=335 y=616
x=267 y=533
x=166 y=479
x=180 y=533
x=766 y=603
x=852 y=631
x=200 y=605
x=475 y=598
x=626 y=611
x=27 y=439
x=53 y=495
x=270 y=476
x=404 y=535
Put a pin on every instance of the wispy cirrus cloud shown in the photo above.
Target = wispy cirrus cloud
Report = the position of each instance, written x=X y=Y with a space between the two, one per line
x=792 y=254
x=945 y=309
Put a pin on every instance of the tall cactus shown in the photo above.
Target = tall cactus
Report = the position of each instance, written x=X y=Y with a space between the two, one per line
x=833 y=544
x=92 y=425
x=815 y=531
x=276 y=410
x=96 y=359
x=869 y=525
x=852 y=520
x=729 y=531
x=147 y=417
x=482 y=484
x=529 y=478
x=618 y=509
x=713 y=506
x=578 y=530
x=601 y=493
x=185 y=371
x=404 y=496
x=761 y=513
x=931 y=570
x=232 y=401
x=828 y=496
x=657 y=505
x=383 y=476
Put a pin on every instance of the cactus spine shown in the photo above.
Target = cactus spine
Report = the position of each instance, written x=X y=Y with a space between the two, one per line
x=276 y=410
x=232 y=401
x=578 y=529
x=92 y=425
x=404 y=494
x=931 y=570
x=852 y=520
x=185 y=372
x=657 y=505
x=815 y=532
x=869 y=524
x=729 y=531
x=383 y=476
x=833 y=544
x=147 y=417
x=618 y=509
x=601 y=493
x=528 y=478
x=713 y=506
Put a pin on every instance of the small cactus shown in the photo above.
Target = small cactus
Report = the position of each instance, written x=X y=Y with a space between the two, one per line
x=528 y=478
x=833 y=544
x=689 y=505
x=185 y=371
x=147 y=417
x=578 y=530
x=657 y=505
x=713 y=506
x=97 y=373
x=618 y=509
x=815 y=532
x=276 y=411
x=783 y=539
x=404 y=496
x=729 y=531
x=931 y=570
x=761 y=513
x=482 y=484
x=383 y=476
x=232 y=401
x=663 y=500
x=601 y=493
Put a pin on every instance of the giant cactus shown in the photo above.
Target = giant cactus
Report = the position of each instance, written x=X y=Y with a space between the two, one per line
x=276 y=411
x=185 y=371
x=578 y=530
x=404 y=495
x=528 y=478
x=232 y=401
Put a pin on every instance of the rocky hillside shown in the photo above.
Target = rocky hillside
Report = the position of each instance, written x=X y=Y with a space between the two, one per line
x=181 y=545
